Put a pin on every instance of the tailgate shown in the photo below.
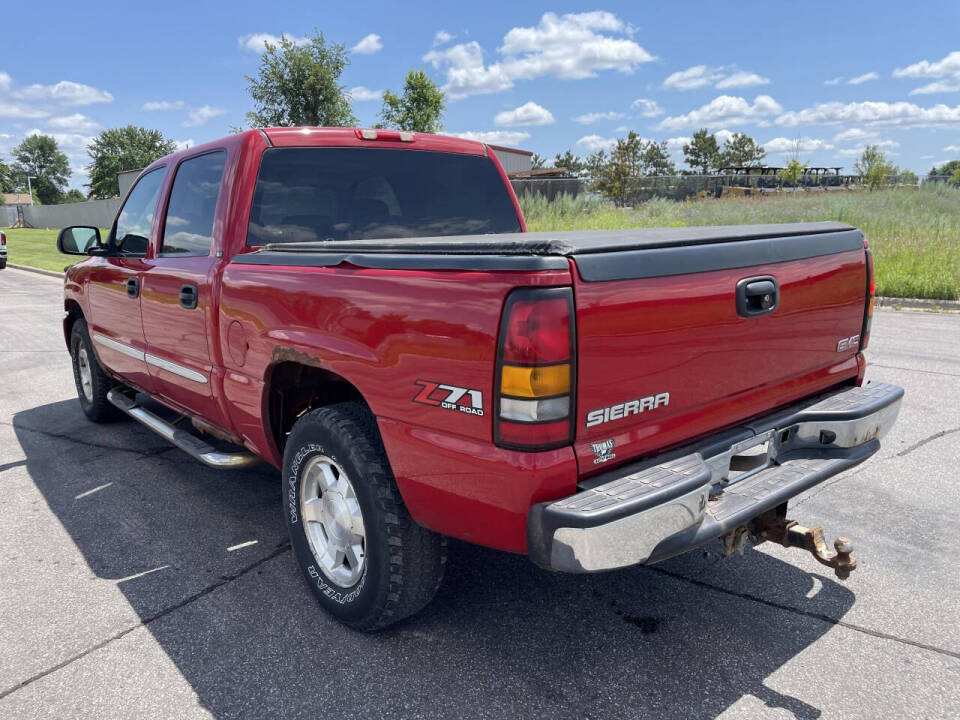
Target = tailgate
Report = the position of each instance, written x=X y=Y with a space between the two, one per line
x=665 y=354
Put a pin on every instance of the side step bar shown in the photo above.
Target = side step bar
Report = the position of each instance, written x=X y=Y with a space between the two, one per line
x=190 y=444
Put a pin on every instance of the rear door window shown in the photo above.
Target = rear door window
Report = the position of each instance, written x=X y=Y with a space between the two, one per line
x=311 y=194
x=188 y=229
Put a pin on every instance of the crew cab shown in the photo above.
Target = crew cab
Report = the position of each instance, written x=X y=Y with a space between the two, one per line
x=365 y=311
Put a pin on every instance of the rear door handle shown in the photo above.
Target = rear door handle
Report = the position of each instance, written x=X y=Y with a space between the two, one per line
x=188 y=297
x=133 y=287
x=757 y=296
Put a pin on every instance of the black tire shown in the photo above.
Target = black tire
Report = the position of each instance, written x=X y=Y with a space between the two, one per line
x=402 y=562
x=96 y=407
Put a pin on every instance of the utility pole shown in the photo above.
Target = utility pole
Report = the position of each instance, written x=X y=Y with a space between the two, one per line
x=29 y=188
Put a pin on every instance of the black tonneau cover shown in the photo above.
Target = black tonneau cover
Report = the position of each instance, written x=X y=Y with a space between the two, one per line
x=600 y=255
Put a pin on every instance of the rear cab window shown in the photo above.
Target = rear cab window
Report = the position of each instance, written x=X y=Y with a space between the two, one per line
x=318 y=194
x=191 y=210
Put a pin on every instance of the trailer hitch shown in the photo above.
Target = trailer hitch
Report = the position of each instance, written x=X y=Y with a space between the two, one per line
x=775 y=527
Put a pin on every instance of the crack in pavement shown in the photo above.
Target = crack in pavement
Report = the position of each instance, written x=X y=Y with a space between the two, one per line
x=144 y=622
x=931 y=438
x=917 y=370
x=152 y=452
x=805 y=613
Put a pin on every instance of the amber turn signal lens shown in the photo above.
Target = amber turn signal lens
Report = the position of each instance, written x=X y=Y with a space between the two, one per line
x=535 y=382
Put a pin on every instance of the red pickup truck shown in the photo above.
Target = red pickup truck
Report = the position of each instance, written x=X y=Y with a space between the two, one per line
x=364 y=310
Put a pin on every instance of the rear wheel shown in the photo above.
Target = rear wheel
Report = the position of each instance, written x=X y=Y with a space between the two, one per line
x=365 y=559
x=92 y=382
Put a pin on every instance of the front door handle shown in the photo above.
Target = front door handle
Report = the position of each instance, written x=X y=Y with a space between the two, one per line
x=188 y=297
x=757 y=296
x=133 y=287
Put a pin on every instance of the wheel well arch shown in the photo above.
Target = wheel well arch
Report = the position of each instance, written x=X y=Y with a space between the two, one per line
x=294 y=387
x=73 y=313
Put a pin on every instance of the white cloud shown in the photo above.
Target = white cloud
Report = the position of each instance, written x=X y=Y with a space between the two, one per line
x=15 y=111
x=834 y=81
x=692 y=78
x=364 y=94
x=860 y=79
x=65 y=92
x=853 y=135
x=256 y=42
x=858 y=150
x=184 y=144
x=5 y=82
x=741 y=79
x=727 y=110
x=495 y=137
x=721 y=78
x=789 y=145
x=75 y=123
x=952 y=148
x=676 y=143
x=646 y=108
x=154 y=105
x=945 y=72
x=592 y=143
x=442 y=37
x=590 y=118
x=368 y=45
x=201 y=115
x=73 y=145
x=571 y=46
x=902 y=114
x=527 y=114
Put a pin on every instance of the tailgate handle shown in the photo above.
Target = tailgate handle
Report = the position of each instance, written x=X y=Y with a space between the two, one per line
x=188 y=297
x=133 y=287
x=757 y=296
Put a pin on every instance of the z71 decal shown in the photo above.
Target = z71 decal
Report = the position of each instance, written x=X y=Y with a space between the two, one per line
x=449 y=397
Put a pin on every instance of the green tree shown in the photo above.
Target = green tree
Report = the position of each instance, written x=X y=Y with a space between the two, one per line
x=74 y=196
x=946 y=169
x=702 y=153
x=874 y=167
x=537 y=162
x=418 y=108
x=619 y=178
x=594 y=165
x=793 y=172
x=573 y=164
x=655 y=159
x=955 y=176
x=125 y=148
x=39 y=156
x=741 y=150
x=908 y=177
x=7 y=184
x=299 y=85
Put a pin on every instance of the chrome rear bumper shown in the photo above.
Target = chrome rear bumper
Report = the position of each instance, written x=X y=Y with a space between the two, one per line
x=661 y=507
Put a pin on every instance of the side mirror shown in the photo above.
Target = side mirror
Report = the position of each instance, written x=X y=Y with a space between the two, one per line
x=79 y=240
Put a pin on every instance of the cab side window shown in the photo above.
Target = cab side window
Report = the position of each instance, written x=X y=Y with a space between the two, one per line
x=188 y=229
x=132 y=233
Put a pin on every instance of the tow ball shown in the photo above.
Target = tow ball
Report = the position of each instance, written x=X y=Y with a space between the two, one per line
x=775 y=527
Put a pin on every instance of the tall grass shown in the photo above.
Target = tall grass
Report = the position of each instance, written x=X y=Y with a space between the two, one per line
x=914 y=234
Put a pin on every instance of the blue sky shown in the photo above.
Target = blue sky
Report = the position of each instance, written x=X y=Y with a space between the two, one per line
x=546 y=77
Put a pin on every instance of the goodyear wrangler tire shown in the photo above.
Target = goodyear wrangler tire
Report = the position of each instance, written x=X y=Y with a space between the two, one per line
x=365 y=559
x=92 y=382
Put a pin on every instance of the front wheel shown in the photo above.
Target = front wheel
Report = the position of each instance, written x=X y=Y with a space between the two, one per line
x=365 y=559
x=92 y=382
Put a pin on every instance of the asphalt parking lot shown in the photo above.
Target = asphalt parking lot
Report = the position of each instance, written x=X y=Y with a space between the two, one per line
x=137 y=583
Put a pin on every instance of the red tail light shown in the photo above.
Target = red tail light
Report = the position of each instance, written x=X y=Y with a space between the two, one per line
x=536 y=370
x=3 y=240
x=868 y=306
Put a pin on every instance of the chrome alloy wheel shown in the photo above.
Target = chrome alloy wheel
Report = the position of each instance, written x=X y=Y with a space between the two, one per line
x=86 y=375
x=333 y=521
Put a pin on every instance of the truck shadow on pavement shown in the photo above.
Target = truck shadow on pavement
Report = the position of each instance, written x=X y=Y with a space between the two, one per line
x=203 y=559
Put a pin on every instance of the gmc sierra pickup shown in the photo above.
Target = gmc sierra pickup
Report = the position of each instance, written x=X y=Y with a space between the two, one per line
x=364 y=310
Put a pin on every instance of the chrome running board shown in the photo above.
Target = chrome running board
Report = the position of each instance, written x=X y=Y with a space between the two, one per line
x=190 y=444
